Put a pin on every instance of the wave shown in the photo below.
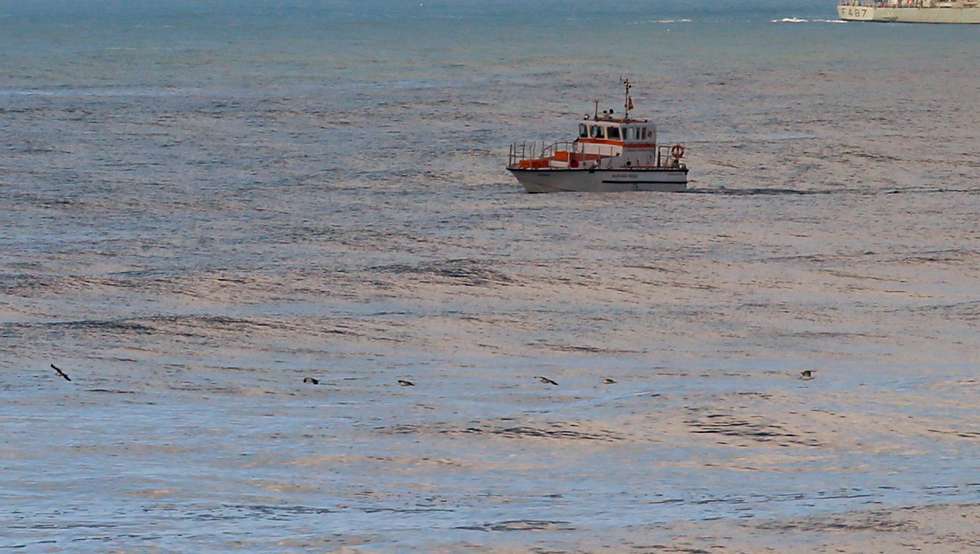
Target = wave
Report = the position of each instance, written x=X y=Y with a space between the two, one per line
x=661 y=21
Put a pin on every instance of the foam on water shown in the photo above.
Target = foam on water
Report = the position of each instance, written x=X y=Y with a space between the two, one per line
x=802 y=20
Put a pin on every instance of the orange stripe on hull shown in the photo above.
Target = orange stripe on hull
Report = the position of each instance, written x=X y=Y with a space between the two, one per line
x=600 y=141
x=534 y=164
x=616 y=143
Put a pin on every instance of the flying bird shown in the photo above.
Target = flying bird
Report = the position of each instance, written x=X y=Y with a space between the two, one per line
x=609 y=381
x=405 y=383
x=62 y=373
x=547 y=381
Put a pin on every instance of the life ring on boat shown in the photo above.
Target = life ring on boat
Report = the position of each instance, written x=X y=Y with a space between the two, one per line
x=677 y=151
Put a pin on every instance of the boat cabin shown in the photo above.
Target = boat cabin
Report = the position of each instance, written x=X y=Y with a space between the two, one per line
x=634 y=140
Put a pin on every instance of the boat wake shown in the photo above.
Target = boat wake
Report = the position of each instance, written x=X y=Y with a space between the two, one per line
x=758 y=192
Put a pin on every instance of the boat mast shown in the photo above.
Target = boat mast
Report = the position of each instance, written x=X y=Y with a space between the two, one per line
x=627 y=103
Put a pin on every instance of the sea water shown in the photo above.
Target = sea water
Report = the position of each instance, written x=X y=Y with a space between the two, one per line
x=203 y=203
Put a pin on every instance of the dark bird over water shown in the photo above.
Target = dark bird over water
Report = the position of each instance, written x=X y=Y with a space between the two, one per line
x=405 y=383
x=62 y=373
x=547 y=381
x=806 y=374
x=311 y=380
x=609 y=381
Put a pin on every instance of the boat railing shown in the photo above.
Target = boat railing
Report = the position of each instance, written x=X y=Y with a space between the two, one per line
x=887 y=3
x=526 y=151
x=667 y=158
x=563 y=146
x=524 y=155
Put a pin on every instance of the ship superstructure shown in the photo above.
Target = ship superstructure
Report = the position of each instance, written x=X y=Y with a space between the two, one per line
x=910 y=11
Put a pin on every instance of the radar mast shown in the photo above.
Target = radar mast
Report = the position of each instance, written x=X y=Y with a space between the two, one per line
x=628 y=101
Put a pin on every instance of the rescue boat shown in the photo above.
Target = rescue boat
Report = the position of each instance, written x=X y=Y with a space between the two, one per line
x=611 y=154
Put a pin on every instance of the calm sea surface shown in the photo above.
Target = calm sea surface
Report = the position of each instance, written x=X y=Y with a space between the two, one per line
x=203 y=204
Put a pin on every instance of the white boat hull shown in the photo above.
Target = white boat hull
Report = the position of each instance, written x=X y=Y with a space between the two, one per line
x=909 y=15
x=601 y=180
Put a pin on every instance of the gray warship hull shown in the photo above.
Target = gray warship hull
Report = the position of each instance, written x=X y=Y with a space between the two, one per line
x=887 y=13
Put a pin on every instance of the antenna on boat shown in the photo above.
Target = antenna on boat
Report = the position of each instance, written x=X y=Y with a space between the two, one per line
x=595 y=116
x=628 y=102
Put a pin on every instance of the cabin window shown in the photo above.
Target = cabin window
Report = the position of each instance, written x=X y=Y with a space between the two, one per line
x=612 y=133
x=631 y=133
x=596 y=131
x=583 y=130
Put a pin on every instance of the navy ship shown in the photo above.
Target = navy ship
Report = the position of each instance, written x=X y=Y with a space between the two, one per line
x=910 y=11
